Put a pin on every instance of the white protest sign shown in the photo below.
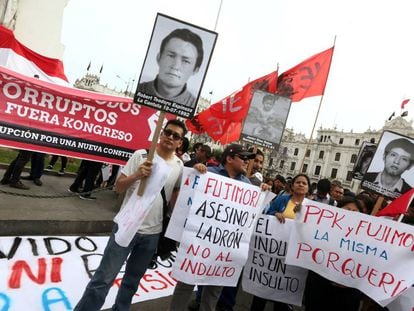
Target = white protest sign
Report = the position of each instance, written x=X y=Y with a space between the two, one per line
x=370 y=253
x=130 y=217
x=404 y=302
x=265 y=274
x=51 y=273
x=215 y=242
x=182 y=205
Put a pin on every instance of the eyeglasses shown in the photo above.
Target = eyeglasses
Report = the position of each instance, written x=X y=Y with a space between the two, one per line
x=168 y=133
x=243 y=158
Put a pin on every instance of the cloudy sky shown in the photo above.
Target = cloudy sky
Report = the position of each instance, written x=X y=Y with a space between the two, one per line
x=371 y=73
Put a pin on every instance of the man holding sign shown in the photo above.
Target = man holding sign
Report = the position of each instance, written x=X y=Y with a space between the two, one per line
x=143 y=245
x=234 y=163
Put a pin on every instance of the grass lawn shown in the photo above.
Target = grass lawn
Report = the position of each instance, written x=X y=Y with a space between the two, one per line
x=7 y=155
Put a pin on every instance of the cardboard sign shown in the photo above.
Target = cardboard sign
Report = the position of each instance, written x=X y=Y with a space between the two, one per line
x=370 y=253
x=266 y=274
x=215 y=241
x=51 y=273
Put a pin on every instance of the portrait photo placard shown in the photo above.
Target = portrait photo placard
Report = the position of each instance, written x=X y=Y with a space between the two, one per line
x=390 y=173
x=365 y=155
x=266 y=119
x=175 y=66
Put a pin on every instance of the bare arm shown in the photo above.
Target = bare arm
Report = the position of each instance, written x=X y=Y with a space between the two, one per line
x=124 y=182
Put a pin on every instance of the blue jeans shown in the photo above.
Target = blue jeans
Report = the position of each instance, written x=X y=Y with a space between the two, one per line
x=141 y=250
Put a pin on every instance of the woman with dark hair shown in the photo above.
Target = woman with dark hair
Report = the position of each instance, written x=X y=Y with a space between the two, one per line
x=284 y=207
x=323 y=294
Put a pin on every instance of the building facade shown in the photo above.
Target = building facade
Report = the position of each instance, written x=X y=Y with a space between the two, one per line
x=332 y=154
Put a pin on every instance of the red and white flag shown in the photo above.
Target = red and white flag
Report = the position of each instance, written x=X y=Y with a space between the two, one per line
x=306 y=79
x=19 y=58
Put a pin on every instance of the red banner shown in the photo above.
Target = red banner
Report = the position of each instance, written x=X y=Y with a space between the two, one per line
x=223 y=120
x=41 y=116
x=306 y=79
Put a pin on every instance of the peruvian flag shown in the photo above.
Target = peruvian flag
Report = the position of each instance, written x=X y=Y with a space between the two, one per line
x=223 y=120
x=19 y=58
x=398 y=206
x=306 y=79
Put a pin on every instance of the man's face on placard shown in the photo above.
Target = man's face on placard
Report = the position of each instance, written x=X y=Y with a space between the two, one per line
x=397 y=161
x=177 y=63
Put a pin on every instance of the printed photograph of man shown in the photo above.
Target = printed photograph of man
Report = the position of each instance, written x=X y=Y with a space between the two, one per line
x=365 y=156
x=267 y=116
x=175 y=66
x=398 y=159
x=179 y=58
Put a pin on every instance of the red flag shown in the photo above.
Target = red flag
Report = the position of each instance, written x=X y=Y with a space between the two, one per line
x=404 y=102
x=228 y=114
x=306 y=79
x=398 y=206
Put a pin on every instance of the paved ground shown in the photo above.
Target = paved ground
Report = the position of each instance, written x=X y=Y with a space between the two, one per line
x=51 y=210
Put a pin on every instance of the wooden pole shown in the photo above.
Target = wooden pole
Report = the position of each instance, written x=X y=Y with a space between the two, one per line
x=377 y=205
x=151 y=152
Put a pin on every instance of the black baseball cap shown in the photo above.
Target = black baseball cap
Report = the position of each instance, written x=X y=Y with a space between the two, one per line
x=236 y=149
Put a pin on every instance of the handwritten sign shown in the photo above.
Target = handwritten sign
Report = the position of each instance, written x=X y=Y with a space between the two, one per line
x=265 y=274
x=215 y=242
x=130 y=217
x=51 y=273
x=372 y=254
x=404 y=302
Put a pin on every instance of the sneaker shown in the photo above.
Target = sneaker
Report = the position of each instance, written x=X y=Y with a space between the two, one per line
x=37 y=182
x=72 y=191
x=19 y=185
x=48 y=168
x=28 y=177
x=61 y=172
x=5 y=181
x=87 y=197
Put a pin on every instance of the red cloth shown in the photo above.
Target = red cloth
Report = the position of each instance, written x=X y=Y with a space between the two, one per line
x=404 y=102
x=398 y=206
x=306 y=79
x=223 y=120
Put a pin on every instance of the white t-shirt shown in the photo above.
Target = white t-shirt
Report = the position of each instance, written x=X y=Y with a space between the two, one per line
x=152 y=223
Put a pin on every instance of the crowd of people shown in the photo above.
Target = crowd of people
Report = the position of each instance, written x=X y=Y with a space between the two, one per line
x=236 y=162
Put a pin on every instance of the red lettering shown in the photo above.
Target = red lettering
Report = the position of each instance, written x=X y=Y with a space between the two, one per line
x=311 y=210
x=383 y=280
x=332 y=260
x=300 y=249
x=55 y=275
x=315 y=253
x=20 y=266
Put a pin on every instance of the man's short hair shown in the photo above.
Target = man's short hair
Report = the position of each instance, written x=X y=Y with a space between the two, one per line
x=177 y=123
x=280 y=178
x=323 y=186
x=188 y=36
x=207 y=150
x=403 y=144
x=258 y=151
x=268 y=97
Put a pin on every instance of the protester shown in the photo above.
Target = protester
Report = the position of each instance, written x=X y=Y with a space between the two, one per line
x=234 y=163
x=398 y=158
x=323 y=294
x=14 y=170
x=279 y=184
x=180 y=57
x=285 y=206
x=87 y=174
x=36 y=168
x=181 y=151
x=336 y=192
x=53 y=160
x=202 y=155
x=322 y=192
x=143 y=246
x=256 y=177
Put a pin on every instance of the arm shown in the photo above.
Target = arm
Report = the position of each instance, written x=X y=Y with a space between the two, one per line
x=124 y=181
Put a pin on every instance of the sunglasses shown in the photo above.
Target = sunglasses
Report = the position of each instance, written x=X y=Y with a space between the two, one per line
x=243 y=158
x=168 y=133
